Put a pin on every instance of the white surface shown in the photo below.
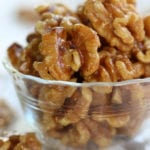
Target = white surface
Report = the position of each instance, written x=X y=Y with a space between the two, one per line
x=12 y=31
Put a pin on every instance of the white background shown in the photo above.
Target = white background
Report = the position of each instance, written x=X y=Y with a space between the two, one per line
x=12 y=30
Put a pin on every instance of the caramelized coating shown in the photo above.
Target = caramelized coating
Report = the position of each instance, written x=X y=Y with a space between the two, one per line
x=116 y=21
x=88 y=50
x=105 y=41
x=20 y=142
x=75 y=108
x=106 y=132
x=77 y=136
x=133 y=126
x=115 y=67
x=53 y=96
x=118 y=121
x=14 y=52
x=57 y=55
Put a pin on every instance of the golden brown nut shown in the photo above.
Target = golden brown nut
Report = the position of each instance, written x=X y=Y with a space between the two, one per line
x=52 y=97
x=77 y=136
x=28 y=141
x=23 y=59
x=144 y=58
x=51 y=20
x=88 y=50
x=57 y=53
x=75 y=108
x=14 y=52
x=118 y=121
x=116 y=21
x=101 y=133
x=20 y=142
x=132 y=127
x=125 y=68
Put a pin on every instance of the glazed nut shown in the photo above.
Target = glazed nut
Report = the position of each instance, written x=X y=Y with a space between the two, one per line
x=77 y=136
x=82 y=35
x=118 y=121
x=116 y=96
x=17 y=142
x=127 y=72
x=75 y=108
x=113 y=21
x=144 y=58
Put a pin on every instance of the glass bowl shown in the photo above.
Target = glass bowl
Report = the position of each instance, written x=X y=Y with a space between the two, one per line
x=85 y=116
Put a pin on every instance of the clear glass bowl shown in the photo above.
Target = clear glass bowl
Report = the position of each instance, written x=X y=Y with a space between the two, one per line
x=85 y=116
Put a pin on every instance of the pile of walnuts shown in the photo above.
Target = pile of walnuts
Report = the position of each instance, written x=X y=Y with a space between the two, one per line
x=103 y=41
x=28 y=141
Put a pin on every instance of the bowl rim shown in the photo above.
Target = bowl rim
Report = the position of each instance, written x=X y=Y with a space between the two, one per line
x=12 y=70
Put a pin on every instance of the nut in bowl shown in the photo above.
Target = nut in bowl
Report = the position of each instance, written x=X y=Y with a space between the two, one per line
x=83 y=76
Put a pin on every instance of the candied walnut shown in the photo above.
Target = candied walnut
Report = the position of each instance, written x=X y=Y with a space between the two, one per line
x=144 y=58
x=135 y=94
x=88 y=50
x=50 y=20
x=28 y=141
x=135 y=103
x=49 y=125
x=133 y=126
x=100 y=99
x=58 y=56
x=100 y=75
x=101 y=133
x=118 y=121
x=33 y=88
x=60 y=60
x=116 y=96
x=14 y=53
x=55 y=16
x=19 y=142
x=125 y=68
x=115 y=68
x=28 y=56
x=53 y=96
x=140 y=69
x=75 y=107
x=116 y=21
x=77 y=136
x=33 y=36
x=142 y=51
